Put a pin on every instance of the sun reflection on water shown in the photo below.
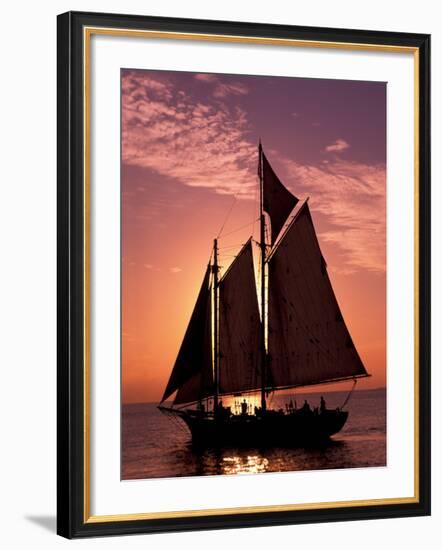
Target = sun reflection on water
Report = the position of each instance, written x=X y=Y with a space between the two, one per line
x=251 y=464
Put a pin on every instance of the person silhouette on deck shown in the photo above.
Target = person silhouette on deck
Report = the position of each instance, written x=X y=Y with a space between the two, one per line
x=306 y=407
x=244 y=407
x=322 y=406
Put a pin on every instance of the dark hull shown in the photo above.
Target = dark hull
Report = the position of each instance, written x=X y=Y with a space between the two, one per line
x=272 y=429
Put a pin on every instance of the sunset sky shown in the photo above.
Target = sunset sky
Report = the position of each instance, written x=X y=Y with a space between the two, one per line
x=189 y=165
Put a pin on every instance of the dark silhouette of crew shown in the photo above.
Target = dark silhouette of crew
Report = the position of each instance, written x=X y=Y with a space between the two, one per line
x=244 y=407
x=322 y=406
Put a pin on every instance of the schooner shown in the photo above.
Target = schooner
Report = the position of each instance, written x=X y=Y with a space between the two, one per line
x=294 y=336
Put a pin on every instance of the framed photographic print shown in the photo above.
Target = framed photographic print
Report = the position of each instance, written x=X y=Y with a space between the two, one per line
x=243 y=274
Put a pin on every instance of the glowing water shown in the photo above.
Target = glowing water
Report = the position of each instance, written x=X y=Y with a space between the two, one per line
x=155 y=446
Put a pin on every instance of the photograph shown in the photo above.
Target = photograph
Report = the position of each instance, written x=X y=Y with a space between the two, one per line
x=218 y=254
x=253 y=274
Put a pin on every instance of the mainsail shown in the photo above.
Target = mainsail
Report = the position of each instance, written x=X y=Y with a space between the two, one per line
x=192 y=374
x=308 y=341
x=239 y=326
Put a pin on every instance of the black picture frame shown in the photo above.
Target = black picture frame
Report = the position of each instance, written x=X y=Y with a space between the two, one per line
x=72 y=521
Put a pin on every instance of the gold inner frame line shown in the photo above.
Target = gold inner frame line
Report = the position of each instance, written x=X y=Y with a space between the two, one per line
x=134 y=33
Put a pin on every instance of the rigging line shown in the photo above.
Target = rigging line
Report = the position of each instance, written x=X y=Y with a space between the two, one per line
x=231 y=246
x=174 y=420
x=177 y=422
x=268 y=246
x=347 y=399
x=228 y=215
x=239 y=228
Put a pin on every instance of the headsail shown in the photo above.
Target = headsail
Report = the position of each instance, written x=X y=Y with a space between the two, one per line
x=239 y=326
x=196 y=388
x=308 y=340
x=278 y=202
x=192 y=373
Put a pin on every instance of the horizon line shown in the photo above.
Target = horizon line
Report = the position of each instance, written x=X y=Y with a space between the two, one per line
x=306 y=392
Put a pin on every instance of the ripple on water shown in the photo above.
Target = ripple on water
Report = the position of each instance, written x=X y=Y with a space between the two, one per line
x=154 y=446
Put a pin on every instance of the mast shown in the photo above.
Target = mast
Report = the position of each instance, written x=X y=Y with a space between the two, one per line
x=215 y=269
x=262 y=245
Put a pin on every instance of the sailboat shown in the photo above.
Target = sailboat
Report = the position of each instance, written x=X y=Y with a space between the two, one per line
x=293 y=337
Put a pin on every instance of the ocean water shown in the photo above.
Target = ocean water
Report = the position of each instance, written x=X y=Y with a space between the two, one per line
x=154 y=445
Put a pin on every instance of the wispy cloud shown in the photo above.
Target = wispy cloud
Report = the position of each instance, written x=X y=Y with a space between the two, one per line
x=199 y=143
x=338 y=146
x=152 y=267
x=235 y=88
x=206 y=144
x=350 y=197
x=221 y=90
x=205 y=77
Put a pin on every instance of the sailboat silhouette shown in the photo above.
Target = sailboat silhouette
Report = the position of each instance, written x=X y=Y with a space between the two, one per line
x=294 y=336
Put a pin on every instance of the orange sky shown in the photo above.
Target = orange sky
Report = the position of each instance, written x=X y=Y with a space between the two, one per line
x=189 y=157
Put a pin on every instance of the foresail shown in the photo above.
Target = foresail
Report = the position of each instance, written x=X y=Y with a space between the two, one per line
x=239 y=326
x=194 y=361
x=308 y=340
x=278 y=202
x=196 y=388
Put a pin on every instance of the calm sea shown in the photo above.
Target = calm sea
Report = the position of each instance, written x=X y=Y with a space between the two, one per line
x=153 y=445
